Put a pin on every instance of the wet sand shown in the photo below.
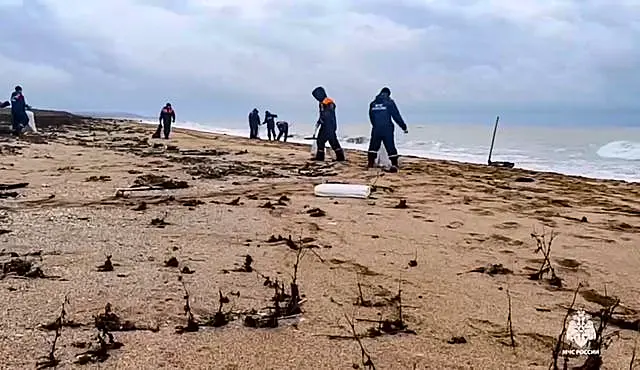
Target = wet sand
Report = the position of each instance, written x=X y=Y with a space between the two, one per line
x=458 y=217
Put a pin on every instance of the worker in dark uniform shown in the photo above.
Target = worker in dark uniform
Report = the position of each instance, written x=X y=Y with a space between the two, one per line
x=382 y=111
x=271 y=124
x=254 y=123
x=328 y=125
x=283 y=130
x=167 y=116
x=19 y=118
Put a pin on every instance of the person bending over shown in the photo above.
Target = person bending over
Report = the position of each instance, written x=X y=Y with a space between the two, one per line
x=382 y=111
x=328 y=125
x=167 y=116
x=283 y=130
x=271 y=124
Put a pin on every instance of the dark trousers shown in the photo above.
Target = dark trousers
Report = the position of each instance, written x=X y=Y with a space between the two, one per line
x=284 y=132
x=167 y=130
x=271 y=130
x=19 y=120
x=332 y=138
x=253 y=131
x=380 y=137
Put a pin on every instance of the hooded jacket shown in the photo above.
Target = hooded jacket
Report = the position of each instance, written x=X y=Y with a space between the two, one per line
x=254 y=118
x=18 y=103
x=282 y=125
x=327 y=110
x=269 y=119
x=381 y=112
x=167 y=114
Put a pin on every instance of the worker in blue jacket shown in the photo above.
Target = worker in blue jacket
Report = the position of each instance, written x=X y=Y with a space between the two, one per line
x=19 y=118
x=283 y=130
x=254 y=123
x=328 y=125
x=166 y=118
x=382 y=113
x=269 y=120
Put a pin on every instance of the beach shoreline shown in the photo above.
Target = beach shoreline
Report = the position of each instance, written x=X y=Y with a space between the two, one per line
x=360 y=154
x=358 y=142
x=447 y=240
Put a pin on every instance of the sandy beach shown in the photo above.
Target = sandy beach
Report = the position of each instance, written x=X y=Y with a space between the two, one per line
x=423 y=230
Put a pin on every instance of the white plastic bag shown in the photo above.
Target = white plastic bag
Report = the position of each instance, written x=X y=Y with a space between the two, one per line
x=314 y=148
x=32 y=121
x=342 y=191
x=383 y=158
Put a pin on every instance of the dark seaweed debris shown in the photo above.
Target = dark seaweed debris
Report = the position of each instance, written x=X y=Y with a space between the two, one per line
x=171 y=262
x=159 y=181
x=107 y=265
x=493 y=269
x=234 y=169
x=316 y=212
x=21 y=267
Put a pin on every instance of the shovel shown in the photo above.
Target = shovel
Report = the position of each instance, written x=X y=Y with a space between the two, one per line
x=314 y=134
x=493 y=139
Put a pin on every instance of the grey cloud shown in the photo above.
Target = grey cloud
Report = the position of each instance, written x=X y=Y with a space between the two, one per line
x=456 y=58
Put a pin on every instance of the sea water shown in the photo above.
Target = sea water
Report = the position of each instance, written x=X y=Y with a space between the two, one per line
x=596 y=152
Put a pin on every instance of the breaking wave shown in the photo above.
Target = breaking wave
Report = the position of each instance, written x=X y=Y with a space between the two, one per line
x=627 y=150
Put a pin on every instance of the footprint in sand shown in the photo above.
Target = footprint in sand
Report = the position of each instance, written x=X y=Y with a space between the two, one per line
x=590 y=237
x=353 y=267
x=455 y=225
x=560 y=203
x=506 y=240
x=547 y=222
x=482 y=211
x=477 y=237
x=622 y=226
x=509 y=225
x=497 y=331
x=569 y=263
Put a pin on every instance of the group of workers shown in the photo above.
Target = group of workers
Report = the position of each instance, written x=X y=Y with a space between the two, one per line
x=383 y=112
x=269 y=120
x=19 y=106
x=168 y=116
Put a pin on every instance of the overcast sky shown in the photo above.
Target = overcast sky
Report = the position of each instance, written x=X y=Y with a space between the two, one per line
x=560 y=61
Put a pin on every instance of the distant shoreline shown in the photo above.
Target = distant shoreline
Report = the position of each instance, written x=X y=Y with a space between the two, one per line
x=298 y=139
x=44 y=116
x=475 y=166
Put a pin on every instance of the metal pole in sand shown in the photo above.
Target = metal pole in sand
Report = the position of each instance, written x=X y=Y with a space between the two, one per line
x=493 y=139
